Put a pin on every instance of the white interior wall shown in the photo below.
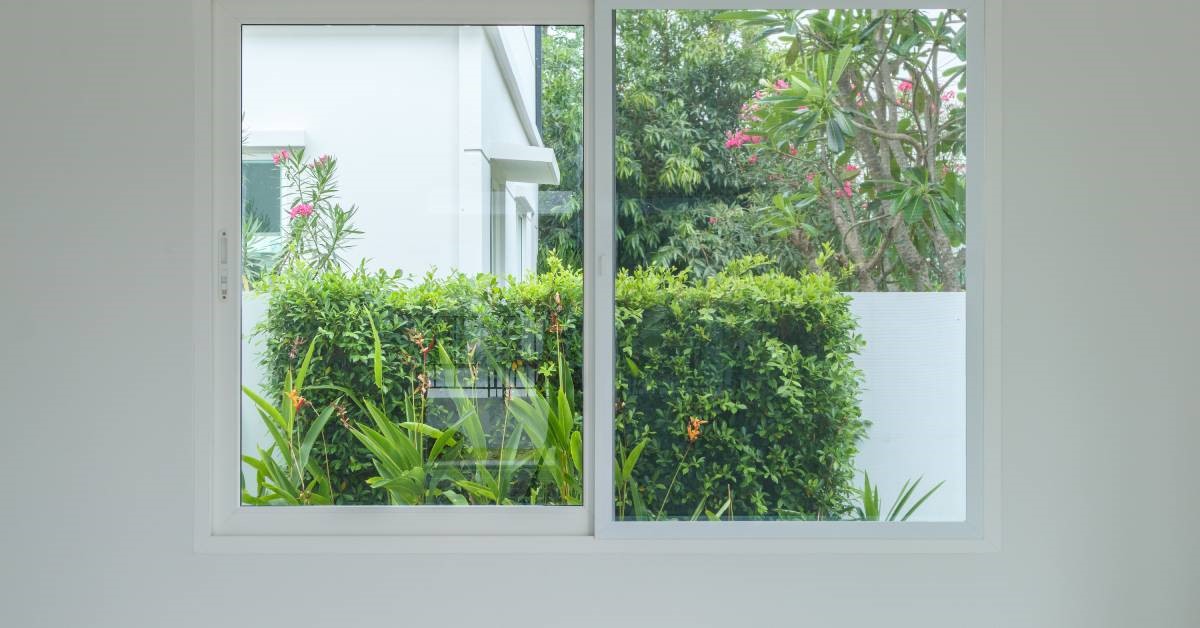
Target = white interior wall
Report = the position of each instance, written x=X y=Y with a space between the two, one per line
x=1099 y=368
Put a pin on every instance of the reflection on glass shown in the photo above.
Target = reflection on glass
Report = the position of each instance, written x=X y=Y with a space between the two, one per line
x=791 y=243
x=412 y=291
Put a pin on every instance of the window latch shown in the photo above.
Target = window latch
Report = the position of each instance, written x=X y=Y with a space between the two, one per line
x=223 y=265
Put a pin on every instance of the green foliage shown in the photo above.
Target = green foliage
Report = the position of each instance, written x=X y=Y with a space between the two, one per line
x=559 y=217
x=867 y=125
x=495 y=331
x=870 y=508
x=554 y=426
x=286 y=472
x=681 y=79
x=763 y=357
x=766 y=360
x=257 y=256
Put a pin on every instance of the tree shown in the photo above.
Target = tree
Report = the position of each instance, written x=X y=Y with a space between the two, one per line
x=559 y=219
x=680 y=78
x=867 y=138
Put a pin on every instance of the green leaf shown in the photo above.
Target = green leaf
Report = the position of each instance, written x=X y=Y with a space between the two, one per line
x=314 y=430
x=833 y=137
x=839 y=66
x=427 y=430
x=378 y=353
x=477 y=490
x=921 y=501
x=577 y=451
x=633 y=369
x=632 y=458
x=792 y=53
x=303 y=371
x=716 y=516
x=264 y=406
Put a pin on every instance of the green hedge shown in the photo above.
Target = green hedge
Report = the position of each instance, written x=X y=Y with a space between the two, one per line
x=765 y=358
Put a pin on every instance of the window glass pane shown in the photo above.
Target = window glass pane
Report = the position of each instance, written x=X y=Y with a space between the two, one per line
x=260 y=189
x=790 y=300
x=404 y=342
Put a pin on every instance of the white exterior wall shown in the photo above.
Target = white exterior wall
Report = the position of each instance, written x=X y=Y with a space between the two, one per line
x=914 y=394
x=409 y=112
x=508 y=116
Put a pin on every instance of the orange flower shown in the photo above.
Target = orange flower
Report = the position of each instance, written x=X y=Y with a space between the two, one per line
x=417 y=338
x=297 y=400
x=693 y=429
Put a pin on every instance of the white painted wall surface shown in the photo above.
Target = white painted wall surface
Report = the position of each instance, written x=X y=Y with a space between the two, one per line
x=254 y=433
x=914 y=393
x=406 y=110
x=1100 y=422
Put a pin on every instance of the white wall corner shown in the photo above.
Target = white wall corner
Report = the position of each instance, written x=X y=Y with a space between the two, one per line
x=524 y=102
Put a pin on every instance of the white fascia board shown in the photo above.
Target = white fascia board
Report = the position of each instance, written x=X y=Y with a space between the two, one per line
x=526 y=164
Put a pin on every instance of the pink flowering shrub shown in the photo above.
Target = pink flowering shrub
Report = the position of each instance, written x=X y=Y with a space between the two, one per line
x=318 y=228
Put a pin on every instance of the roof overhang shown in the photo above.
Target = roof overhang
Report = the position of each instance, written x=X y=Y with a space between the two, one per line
x=525 y=164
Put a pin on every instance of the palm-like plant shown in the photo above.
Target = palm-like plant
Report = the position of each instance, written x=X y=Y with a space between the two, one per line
x=871 y=507
x=286 y=471
x=549 y=418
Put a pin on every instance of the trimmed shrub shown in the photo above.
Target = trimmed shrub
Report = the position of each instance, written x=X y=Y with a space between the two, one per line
x=767 y=360
x=764 y=358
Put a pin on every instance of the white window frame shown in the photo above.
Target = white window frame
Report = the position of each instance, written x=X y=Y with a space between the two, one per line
x=223 y=525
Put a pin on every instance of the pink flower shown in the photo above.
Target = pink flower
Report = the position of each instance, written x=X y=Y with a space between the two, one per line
x=758 y=94
x=905 y=86
x=300 y=209
x=851 y=168
x=319 y=161
x=792 y=150
x=948 y=95
x=739 y=138
x=801 y=109
x=809 y=177
x=280 y=156
x=712 y=220
x=753 y=159
x=781 y=85
x=845 y=192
